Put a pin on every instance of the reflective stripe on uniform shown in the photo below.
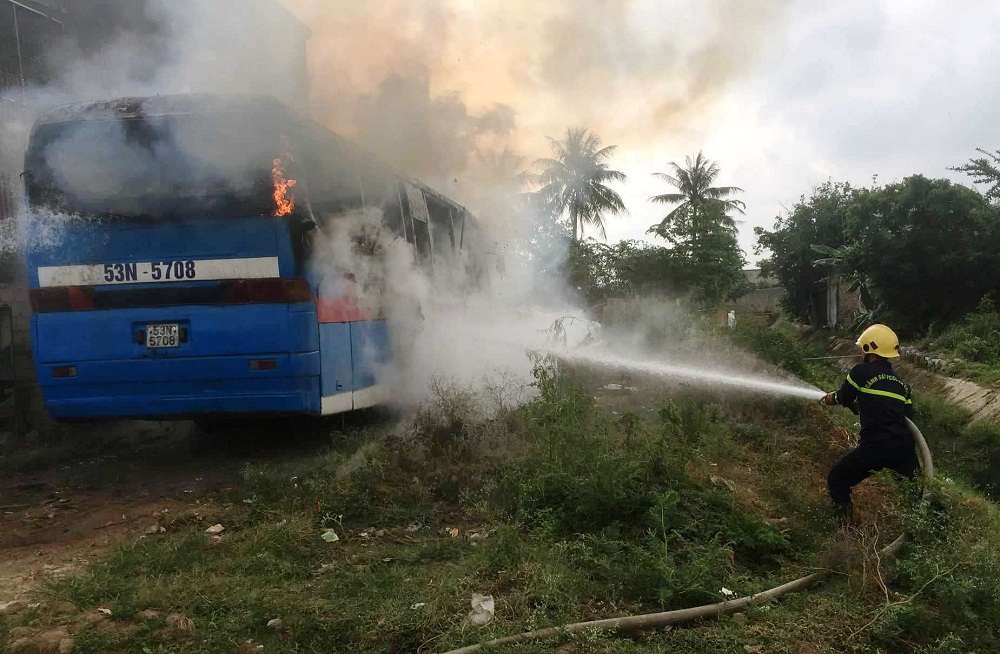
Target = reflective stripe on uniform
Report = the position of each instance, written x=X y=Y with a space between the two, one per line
x=872 y=391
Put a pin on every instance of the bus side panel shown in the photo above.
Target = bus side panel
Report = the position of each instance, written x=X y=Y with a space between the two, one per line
x=371 y=351
x=111 y=375
x=335 y=361
x=214 y=331
x=172 y=399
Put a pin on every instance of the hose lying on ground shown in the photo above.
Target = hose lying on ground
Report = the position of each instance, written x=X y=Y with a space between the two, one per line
x=656 y=620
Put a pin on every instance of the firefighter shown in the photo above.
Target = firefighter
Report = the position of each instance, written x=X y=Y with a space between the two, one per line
x=883 y=401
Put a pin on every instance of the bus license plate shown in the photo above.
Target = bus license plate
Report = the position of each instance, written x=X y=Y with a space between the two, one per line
x=163 y=335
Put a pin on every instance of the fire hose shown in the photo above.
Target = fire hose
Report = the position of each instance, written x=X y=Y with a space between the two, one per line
x=648 y=621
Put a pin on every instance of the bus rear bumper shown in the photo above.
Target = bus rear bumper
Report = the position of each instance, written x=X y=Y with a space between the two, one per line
x=185 y=388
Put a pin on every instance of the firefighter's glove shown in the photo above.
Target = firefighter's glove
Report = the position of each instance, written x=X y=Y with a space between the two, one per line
x=829 y=399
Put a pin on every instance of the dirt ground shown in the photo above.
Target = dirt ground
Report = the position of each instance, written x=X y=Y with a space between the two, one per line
x=60 y=519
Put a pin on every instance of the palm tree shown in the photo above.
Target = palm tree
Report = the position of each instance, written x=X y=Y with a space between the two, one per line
x=575 y=181
x=503 y=171
x=699 y=203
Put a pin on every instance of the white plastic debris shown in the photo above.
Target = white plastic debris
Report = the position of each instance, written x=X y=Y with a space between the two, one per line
x=727 y=593
x=418 y=605
x=482 y=609
x=105 y=611
x=275 y=623
x=215 y=529
x=330 y=536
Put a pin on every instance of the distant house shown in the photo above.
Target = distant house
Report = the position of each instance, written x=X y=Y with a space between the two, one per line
x=833 y=304
x=765 y=298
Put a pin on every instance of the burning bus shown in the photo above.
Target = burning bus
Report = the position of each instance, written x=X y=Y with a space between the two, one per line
x=173 y=267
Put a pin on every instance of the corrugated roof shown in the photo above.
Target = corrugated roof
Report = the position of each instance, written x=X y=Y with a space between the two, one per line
x=49 y=8
x=161 y=105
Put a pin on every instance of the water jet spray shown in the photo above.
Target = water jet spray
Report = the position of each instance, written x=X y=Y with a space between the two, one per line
x=694 y=375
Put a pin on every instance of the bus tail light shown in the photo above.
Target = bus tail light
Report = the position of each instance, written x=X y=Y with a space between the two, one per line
x=64 y=298
x=64 y=372
x=243 y=291
x=269 y=291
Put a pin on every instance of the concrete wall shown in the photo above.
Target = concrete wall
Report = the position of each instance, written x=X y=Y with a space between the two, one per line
x=761 y=300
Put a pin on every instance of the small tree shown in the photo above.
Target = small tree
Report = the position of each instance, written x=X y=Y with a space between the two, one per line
x=985 y=170
x=816 y=221
x=928 y=248
x=715 y=259
x=598 y=270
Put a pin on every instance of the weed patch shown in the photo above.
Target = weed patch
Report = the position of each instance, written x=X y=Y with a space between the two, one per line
x=962 y=450
x=559 y=509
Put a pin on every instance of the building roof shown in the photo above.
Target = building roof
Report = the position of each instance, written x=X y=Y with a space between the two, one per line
x=48 y=8
x=161 y=105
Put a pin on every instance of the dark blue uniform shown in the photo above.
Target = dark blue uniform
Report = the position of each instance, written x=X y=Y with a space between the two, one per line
x=874 y=391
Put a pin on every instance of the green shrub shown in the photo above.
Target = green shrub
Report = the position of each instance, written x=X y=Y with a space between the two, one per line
x=966 y=451
x=952 y=568
x=773 y=345
x=976 y=337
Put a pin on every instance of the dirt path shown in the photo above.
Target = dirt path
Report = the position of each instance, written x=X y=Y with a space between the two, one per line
x=65 y=532
x=57 y=521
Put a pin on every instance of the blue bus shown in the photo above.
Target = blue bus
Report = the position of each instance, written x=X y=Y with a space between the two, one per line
x=172 y=246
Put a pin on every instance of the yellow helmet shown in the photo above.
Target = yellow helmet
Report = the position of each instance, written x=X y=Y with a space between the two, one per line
x=880 y=340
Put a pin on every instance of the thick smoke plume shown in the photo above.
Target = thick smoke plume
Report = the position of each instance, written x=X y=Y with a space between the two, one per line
x=631 y=70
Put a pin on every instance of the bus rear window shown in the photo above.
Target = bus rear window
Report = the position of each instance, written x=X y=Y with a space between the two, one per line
x=182 y=166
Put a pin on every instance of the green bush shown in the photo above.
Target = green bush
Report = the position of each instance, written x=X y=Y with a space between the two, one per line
x=952 y=570
x=620 y=493
x=966 y=451
x=976 y=337
x=772 y=345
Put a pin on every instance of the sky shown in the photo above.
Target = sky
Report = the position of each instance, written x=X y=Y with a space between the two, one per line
x=783 y=94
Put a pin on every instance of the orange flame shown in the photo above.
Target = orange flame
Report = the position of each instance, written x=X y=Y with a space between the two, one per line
x=284 y=203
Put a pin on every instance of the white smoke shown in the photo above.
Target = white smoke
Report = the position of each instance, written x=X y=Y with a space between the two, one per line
x=447 y=325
